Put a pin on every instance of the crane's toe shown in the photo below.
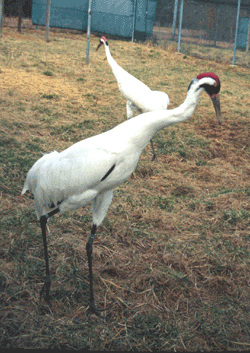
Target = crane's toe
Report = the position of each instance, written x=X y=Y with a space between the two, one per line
x=92 y=309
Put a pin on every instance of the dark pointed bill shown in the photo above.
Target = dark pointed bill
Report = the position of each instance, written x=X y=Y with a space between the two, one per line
x=100 y=43
x=216 y=103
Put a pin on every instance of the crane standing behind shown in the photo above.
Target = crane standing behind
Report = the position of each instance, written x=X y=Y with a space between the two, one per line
x=139 y=96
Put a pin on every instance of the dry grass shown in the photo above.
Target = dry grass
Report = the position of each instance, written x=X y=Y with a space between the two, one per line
x=172 y=255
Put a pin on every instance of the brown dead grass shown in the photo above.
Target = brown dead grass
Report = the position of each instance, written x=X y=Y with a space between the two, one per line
x=172 y=255
x=32 y=84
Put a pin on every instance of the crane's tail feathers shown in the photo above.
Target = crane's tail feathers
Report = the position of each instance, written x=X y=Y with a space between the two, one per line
x=25 y=188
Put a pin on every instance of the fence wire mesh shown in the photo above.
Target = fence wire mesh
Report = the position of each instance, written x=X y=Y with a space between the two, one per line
x=208 y=30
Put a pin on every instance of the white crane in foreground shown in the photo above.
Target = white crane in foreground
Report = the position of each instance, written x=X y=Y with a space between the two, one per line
x=89 y=170
x=138 y=95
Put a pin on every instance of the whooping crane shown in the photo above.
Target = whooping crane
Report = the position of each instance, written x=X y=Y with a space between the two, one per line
x=89 y=170
x=138 y=95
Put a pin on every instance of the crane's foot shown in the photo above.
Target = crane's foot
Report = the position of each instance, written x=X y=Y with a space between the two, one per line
x=154 y=158
x=92 y=309
x=46 y=289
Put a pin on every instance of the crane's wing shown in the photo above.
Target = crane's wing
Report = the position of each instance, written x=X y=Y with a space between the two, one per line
x=73 y=175
x=80 y=171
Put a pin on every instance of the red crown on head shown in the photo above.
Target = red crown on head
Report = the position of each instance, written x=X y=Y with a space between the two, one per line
x=209 y=74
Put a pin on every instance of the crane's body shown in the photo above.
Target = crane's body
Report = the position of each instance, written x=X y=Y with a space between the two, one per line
x=89 y=170
x=139 y=96
x=73 y=177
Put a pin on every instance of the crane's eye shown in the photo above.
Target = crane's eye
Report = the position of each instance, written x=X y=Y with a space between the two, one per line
x=215 y=85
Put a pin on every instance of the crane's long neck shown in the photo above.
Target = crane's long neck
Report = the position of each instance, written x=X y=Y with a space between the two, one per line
x=179 y=114
x=146 y=125
x=115 y=67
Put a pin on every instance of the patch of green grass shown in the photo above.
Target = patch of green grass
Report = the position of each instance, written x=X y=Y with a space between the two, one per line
x=15 y=163
x=225 y=190
x=196 y=142
x=73 y=129
x=200 y=162
x=42 y=109
x=149 y=329
x=165 y=203
x=227 y=92
x=169 y=142
x=192 y=206
x=233 y=216
x=73 y=110
x=50 y=96
x=34 y=147
x=21 y=107
x=170 y=145
x=90 y=95
x=80 y=79
x=48 y=73
x=183 y=191
x=154 y=54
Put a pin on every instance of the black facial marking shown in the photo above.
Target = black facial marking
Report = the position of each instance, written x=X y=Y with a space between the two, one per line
x=108 y=172
x=211 y=89
x=190 y=84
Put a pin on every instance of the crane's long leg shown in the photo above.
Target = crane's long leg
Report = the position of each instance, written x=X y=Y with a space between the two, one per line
x=89 y=249
x=130 y=109
x=47 y=282
x=154 y=154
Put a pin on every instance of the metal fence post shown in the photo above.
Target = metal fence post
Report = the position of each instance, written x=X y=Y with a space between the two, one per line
x=88 y=32
x=174 y=19
x=180 y=25
x=134 y=20
x=1 y=17
x=236 y=29
x=47 y=20
x=248 y=36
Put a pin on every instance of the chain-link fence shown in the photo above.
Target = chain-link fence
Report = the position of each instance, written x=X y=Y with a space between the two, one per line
x=208 y=29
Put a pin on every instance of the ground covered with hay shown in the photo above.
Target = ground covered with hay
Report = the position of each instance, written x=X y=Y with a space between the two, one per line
x=171 y=259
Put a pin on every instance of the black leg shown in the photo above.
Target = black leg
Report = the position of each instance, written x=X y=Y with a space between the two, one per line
x=46 y=286
x=47 y=282
x=89 y=249
x=154 y=154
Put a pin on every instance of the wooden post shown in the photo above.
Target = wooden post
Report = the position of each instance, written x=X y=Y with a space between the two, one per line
x=47 y=19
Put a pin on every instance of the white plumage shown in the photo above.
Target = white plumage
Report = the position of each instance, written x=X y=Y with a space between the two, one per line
x=139 y=96
x=90 y=169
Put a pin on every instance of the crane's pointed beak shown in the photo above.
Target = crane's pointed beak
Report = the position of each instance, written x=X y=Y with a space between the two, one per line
x=216 y=102
x=100 y=43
